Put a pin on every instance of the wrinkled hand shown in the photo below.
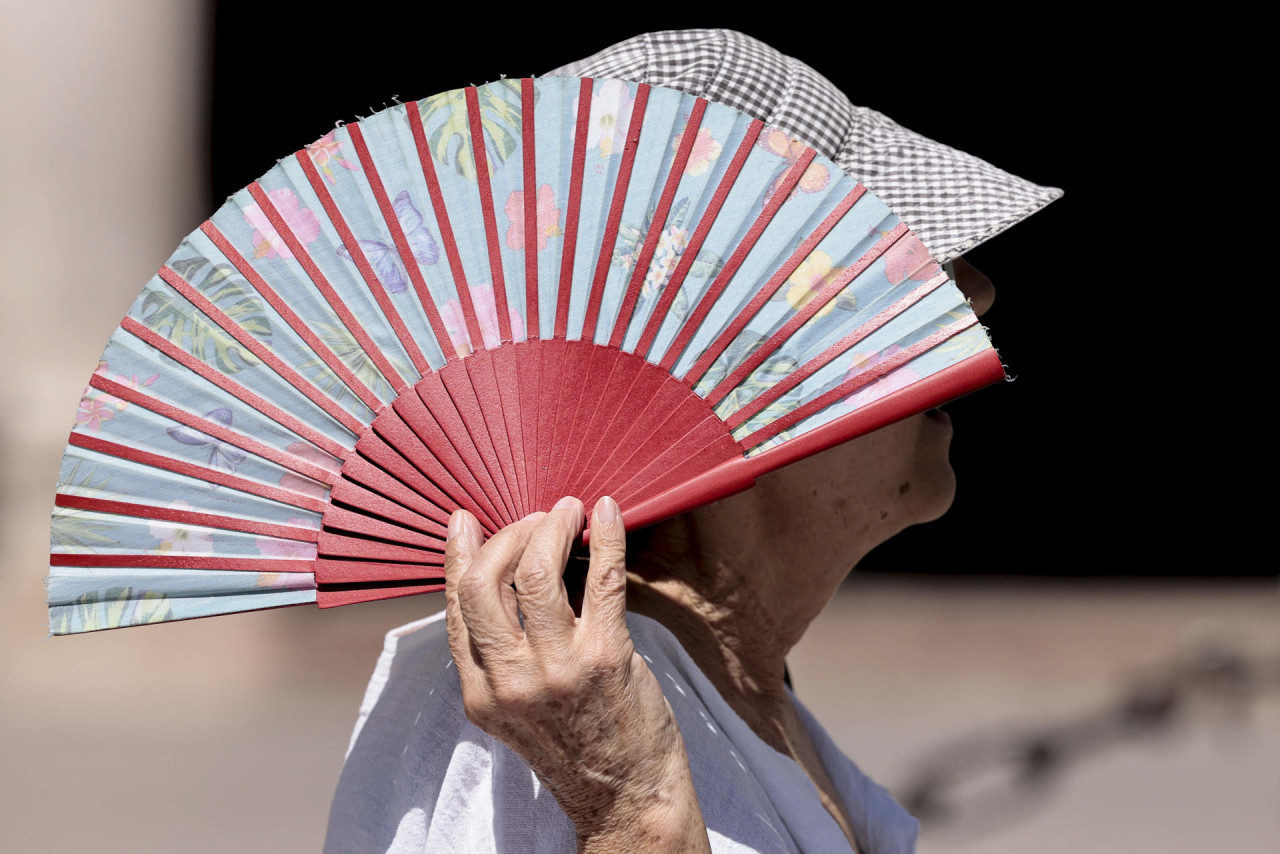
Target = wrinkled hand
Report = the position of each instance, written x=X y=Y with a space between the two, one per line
x=569 y=694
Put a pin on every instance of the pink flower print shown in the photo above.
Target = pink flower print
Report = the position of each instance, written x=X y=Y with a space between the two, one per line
x=900 y=378
x=548 y=218
x=325 y=152
x=300 y=483
x=611 y=104
x=94 y=411
x=778 y=142
x=455 y=323
x=302 y=222
x=704 y=153
x=482 y=299
x=179 y=539
x=487 y=314
x=808 y=279
x=277 y=547
x=909 y=259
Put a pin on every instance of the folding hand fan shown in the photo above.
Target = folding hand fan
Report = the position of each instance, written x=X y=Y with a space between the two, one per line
x=487 y=299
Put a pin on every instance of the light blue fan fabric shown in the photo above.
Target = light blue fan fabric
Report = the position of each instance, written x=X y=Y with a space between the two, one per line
x=88 y=597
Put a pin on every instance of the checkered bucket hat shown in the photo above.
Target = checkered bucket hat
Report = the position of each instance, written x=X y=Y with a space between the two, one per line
x=952 y=200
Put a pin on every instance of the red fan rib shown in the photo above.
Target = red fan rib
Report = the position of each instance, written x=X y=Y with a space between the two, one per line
x=766 y=292
x=615 y=213
x=182 y=467
x=430 y=434
x=357 y=252
x=829 y=292
x=334 y=597
x=665 y=200
x=690 y=254
x=268 y=293
x=721 y=283
x=340 y=308
x=446 y=237
x=530 y=164
x=740 y=473
x=212 y=428
x=850 y=386
x=186 y=517
x=182 y=561
x=444 y=411
x=495 y=400
x=481 y=158
x=573 y=208
x=257 y=402
x=812 y=366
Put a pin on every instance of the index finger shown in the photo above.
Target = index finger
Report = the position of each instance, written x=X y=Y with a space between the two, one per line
x=544 y=603
x=481 y=585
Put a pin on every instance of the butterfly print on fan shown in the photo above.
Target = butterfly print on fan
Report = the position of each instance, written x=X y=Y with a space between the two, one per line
x=221 y=455
x=385 y=258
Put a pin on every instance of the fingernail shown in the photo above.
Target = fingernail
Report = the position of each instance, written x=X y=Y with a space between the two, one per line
x=455 y=524
x=607 y=511
x=566 y=503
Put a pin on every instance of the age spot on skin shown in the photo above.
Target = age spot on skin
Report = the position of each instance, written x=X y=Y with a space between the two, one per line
x=905 y=488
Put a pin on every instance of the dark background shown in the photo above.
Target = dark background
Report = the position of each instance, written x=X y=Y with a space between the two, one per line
x=1095 y=460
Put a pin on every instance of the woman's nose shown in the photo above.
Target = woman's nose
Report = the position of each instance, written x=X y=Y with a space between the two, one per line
x=974 y=285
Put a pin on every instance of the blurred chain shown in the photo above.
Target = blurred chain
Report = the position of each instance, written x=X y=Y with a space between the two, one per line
x=980 y=783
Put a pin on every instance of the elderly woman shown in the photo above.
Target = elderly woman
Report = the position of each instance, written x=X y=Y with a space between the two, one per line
x=657 y=717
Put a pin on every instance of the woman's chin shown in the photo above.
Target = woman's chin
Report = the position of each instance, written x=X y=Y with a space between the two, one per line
x=941 y=494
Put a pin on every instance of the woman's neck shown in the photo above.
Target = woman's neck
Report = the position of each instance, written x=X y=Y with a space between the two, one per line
x=736 y=611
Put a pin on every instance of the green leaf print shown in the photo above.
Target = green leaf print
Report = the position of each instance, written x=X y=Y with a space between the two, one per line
x=450 y=141
x=171 y=316
x=344 y=345
x=110 y=609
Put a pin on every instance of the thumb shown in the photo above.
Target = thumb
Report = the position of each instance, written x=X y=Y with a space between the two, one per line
x=604 y=602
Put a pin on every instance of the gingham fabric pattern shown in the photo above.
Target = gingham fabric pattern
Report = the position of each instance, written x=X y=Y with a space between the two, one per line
x=952 y=200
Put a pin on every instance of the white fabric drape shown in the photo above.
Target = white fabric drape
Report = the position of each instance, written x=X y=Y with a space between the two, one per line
x=419 y=777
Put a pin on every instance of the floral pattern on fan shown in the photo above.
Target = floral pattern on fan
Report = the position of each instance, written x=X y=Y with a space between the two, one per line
x=779 y=142
x=548 y=218
x=909 y=259
x=220 y=455
x=326 y=152
x=181 y=539
x=301 y=221
x=706 y=150
x=815 y=273
x=611 y=105
x=169 y=315
x=486 y=309
x=97 y=407
x=894 y=380
x=671 y=245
